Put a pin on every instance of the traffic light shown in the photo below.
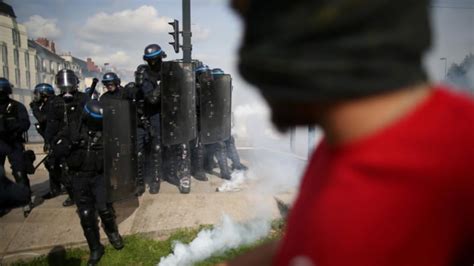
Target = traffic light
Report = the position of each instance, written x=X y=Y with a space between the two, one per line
x=175 y=34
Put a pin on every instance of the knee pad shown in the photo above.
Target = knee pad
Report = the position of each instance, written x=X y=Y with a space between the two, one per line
x=88 y=217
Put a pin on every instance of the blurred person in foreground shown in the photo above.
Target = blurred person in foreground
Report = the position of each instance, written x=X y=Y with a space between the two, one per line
x=392 y=182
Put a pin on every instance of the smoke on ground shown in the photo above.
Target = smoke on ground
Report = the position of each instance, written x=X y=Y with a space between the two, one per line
x=236 y=183
x=226 y=235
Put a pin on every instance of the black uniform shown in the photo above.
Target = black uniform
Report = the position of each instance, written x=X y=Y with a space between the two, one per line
x=233 y=155
x=14 y=122
x=149 y=130
x=63 y=117
x=118 y=93
x=197 y=148
x=41 y=110
x=89 y=185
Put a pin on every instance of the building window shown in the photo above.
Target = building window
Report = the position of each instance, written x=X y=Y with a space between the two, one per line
x=17 y=77
x=16 y=37
x=4 y=54
x=5 y=72
x=37 y=64
x=27 y=60
x=44 y=63
x=16 y=57
x=28 y=79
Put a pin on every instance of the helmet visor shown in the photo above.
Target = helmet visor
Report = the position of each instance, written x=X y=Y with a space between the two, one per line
x=66 y=81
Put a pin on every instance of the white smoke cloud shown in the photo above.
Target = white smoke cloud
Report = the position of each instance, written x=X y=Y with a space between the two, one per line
x=38 y=26
x=120 y=37
x=103 y=26
x=224 y=236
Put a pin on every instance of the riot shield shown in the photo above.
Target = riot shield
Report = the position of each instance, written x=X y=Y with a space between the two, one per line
x=178 y=103
x=120 y=151
x=215 y=109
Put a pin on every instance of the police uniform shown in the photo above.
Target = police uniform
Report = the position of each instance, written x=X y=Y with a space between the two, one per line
x=41 y=106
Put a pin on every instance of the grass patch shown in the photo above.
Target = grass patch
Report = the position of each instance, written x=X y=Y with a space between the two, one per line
x=140 y=250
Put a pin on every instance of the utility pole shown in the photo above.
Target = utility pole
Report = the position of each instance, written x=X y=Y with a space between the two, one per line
x=445 y=66
x=187 y=46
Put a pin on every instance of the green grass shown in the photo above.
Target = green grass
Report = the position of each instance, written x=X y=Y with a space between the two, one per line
x=141 y=250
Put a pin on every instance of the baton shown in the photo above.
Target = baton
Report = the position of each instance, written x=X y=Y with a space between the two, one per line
x=42 y=161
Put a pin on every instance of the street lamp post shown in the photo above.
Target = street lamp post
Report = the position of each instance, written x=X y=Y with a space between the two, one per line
x=445 y=66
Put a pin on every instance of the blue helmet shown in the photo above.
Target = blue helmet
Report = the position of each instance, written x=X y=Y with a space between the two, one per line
x=44 y=89
x=153 y=52
x=5 y=86
x=202 y=68
x=110 y=77
x=217 y=71
x=93 y=115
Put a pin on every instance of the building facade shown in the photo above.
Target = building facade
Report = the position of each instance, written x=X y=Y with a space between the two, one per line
x=26 y=62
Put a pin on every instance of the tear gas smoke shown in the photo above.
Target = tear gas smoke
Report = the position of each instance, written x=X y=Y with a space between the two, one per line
x=226 y=235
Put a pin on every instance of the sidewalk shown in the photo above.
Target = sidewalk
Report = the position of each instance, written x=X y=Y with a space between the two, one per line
x=50 y=225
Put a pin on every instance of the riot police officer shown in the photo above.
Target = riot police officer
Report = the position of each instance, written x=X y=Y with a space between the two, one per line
x=111 y=82
x=215 y=99
x=231 y=150
x=147 y=95
x=197 y=148
x=86 y=161
x=14 y=122
x=177 y=160
x=65 y=114
x=41 y=104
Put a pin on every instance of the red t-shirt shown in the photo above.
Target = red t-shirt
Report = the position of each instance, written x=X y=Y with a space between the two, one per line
x=403 y=196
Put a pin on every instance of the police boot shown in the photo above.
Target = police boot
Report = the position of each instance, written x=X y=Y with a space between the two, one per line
x=50 y=195
x=197 y=162
x=140 y=182
x=67 y=182
x=157 y=173
x=185 y=185
x=91 y=232
x=69 y=200
x=54 y=183
x=183 y=168
x=222 y=161
x=234 y=155
x=110 y=227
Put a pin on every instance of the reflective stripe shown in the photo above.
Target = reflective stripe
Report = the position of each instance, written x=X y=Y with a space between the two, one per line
x=153 y=54
x=91 y=113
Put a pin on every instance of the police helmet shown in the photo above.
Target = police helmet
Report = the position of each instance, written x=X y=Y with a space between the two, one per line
x=217 y=71
x=110 y=78
x=5 y=86
x=67 y=81
x=93 y=115
x=44 y=89
x=153 y=52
